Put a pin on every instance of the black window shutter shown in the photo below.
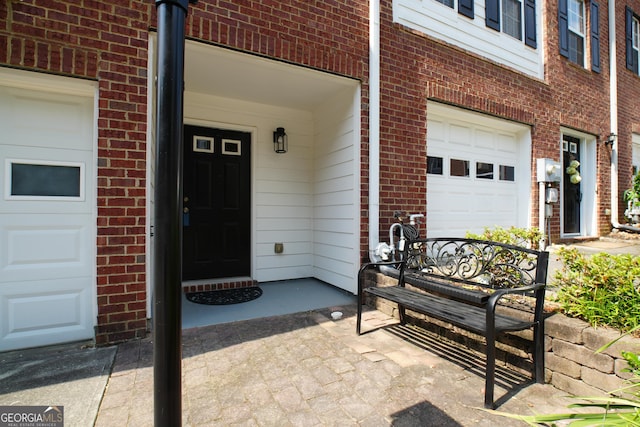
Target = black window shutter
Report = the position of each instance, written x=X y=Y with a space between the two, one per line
x=492 y=11
x=595 y=37
x=563 y=28
x=465 y=7
x=530 y=23
x=629 y=39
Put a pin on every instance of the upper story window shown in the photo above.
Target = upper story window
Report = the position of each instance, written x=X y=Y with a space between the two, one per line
x=572 y=29
x=632 y=37
x=446 y=3
x=576 y=31
x=465 y=7
x=513 y=17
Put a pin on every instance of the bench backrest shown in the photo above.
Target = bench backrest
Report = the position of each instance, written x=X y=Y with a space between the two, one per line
x=477 y=263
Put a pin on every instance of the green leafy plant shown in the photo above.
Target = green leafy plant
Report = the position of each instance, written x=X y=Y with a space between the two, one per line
x=613 y=411
x=633 y=194
x=602 y=289
x=529 y=237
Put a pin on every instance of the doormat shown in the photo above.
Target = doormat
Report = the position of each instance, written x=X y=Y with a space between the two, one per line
x=225 y=296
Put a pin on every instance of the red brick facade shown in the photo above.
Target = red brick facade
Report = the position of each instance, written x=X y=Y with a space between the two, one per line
x=108 y=42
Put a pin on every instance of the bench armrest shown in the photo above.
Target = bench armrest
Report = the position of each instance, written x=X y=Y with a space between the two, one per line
x=492 y=302
x=369 y=265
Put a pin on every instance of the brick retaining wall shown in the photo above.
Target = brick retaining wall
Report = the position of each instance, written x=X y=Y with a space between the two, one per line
x=572 y=363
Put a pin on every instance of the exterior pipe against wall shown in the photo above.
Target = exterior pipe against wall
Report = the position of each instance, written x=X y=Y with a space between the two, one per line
x=542 y=215
x=374 y=124
x=167 y=324
x=613 y=119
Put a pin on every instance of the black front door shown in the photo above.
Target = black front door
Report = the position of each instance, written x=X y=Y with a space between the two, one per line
x=216 y=203
x=572 y=190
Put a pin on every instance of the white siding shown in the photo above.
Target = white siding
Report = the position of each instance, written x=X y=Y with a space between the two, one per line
x=444 y=23
x=336 y=205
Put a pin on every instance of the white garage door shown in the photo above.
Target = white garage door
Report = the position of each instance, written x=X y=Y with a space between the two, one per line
x=478 y=172
x=47 y=212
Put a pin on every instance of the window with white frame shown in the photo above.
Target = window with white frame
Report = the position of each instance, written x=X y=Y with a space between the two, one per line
x=446 y=3
x=512 y=18
x=632 y=40
x=465 y=7
x=516 y=18
x=574 y=35
x=576 y=31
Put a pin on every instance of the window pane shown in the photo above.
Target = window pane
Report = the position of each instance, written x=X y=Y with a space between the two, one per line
x=446 y=2
x=434 y=165
x=576 y=16
x=512 y=18
x=459 y=167
x=507 y=173
x=484 y=170
x=576 y=48
x=45 y=180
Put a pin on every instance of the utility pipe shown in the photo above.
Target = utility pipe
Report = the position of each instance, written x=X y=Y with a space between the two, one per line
x=374 y=125
x=613 y=119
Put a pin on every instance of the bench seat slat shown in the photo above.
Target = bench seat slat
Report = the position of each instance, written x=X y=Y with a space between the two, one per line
x=450 y=289
x=467 y=316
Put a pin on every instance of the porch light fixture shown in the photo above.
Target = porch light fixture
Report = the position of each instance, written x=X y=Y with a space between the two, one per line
x=280 y=141
x=610 y=139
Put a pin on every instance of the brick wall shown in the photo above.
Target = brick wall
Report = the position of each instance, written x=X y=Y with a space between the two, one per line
x=416 y=68
x=108 y=41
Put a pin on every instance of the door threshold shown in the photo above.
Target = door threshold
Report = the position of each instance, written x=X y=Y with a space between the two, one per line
x=202 y=285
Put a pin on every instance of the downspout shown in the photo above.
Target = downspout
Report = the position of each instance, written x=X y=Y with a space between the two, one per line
x=374 y=124
x=613 y=117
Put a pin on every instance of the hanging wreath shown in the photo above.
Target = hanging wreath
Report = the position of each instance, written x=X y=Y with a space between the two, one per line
x=572 y=171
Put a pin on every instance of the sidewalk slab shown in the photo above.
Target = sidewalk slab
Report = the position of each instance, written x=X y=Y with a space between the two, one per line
x=69 y=375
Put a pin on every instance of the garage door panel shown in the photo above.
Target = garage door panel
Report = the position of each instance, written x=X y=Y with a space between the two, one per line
x=460 y=135
x=44 y=312
x=61 y=119
x=32 y=249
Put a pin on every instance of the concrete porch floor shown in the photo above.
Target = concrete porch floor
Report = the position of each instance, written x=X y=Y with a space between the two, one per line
x=278 y=298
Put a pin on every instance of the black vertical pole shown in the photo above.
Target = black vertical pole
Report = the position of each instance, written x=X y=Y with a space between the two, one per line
x=167 y=310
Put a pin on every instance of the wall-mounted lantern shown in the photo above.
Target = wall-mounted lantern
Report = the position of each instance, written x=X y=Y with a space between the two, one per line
x=610 y=139
x=280 y=141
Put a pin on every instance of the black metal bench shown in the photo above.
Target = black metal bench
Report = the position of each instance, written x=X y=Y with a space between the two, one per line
x=462 y=282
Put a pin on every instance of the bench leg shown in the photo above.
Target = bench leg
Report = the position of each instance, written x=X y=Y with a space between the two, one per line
x=491 y=370
x=538 y=353
x=359 y=316
x=401 y=314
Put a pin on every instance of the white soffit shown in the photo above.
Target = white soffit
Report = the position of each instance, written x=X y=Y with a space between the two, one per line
x=230 y=74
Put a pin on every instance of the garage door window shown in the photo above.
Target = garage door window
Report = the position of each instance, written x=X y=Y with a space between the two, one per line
x=507 y=173
x=434 y=165
x=484 y=170
x=459 y=167
x=44 y=181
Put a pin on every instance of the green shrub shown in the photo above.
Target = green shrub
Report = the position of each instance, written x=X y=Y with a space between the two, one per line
x=528 y=237
x=602 y=289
